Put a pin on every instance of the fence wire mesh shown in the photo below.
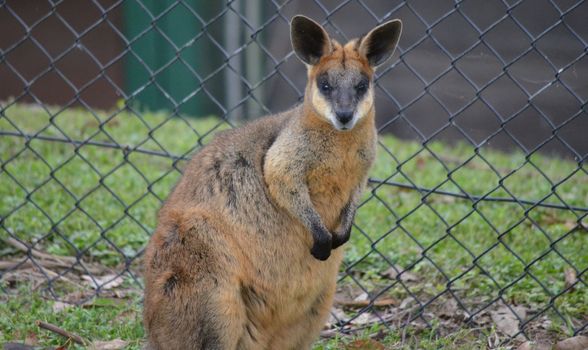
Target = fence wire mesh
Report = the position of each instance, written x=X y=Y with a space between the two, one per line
x=477 y=208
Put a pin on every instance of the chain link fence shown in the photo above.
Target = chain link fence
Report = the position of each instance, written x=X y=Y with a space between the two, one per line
x=477 y=209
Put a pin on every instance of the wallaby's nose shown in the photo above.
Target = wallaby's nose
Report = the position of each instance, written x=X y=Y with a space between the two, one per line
x=344 y=116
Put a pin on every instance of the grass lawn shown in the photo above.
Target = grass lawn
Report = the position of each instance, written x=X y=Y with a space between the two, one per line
x=99 y=204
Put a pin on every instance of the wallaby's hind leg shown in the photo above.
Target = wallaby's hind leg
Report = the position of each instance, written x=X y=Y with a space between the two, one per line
x=301 y=334
x=188 y=303
x=198 y=322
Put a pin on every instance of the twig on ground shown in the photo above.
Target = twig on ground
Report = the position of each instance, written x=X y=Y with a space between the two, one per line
x=364 y=303
x=54 y=275
x=53 y=328
x=40 y=265
x=36 y=253
x=49 y=260
x=28 y=263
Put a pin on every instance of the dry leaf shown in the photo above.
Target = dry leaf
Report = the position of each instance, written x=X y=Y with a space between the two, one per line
x=59 y=306
x=367 y=344
x=406 y=302
x=337 y=316
x=364 y=303
x=445 y=199
x=103 y=282
x=449 y=309
x=77 y=297
x=482 y=319
x=115 y=344
x=362 y=319
x=385 y=301
x=530 y=345
x=362 y=297
x=506 y=321
x=574 y=343
x=570 y=277
x=544 y=323
x=365 y=318
x=570 y=225
x=406 y=276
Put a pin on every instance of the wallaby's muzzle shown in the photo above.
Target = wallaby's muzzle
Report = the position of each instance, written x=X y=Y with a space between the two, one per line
x=344 y=117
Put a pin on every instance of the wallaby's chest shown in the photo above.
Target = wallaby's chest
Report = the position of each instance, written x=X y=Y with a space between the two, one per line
x=343 y=161
x=339 y=168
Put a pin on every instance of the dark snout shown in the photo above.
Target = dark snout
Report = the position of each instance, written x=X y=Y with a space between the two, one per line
x=344 y=106
x=344 y=116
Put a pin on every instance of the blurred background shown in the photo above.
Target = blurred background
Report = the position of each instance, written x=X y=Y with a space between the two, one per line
x=503 y=74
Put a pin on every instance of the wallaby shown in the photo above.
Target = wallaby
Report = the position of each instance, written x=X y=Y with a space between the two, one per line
x=244 y=255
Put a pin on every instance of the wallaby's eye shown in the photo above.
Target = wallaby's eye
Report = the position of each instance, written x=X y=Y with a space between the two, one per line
x=325 y=87
x=361 y=88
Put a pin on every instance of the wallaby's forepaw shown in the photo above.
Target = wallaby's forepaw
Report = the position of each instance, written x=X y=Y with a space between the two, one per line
x=321 y=250
x=341 y=238
x=323 y=241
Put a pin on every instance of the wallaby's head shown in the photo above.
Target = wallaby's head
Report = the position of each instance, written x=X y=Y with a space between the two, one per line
x=340 y=77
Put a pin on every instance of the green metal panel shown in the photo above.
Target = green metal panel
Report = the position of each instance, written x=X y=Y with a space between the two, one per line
x=155 y=77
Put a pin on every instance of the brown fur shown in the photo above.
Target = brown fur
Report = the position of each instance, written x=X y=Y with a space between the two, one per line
x=229 y=265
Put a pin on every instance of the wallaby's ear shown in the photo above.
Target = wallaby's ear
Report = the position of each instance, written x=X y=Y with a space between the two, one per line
x=309 y=39
x=378 y=45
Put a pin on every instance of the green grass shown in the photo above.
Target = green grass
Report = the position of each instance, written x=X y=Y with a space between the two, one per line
x=102 y=320
x=109 y=319
x=408 y=340
x=82 y=192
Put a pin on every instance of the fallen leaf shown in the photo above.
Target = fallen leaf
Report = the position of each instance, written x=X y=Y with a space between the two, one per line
x=336 y=317
x=506 y=321
x=405 y=276
x=76 y=298
x=124 y=293
x=367 y=344
x=406 y=302
x=531 y=345
x=449 y=309
x=362 y=319
x=482 y=319
x=570 y=225
x=364 y=303
x=570 y=277
x=365 y=318
x=362 y=297
x=385 y=302
x=574 y=343
x=544 y=323
x=441 y=198
x=115 y=344
x=59 y=306
x=103 y=282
